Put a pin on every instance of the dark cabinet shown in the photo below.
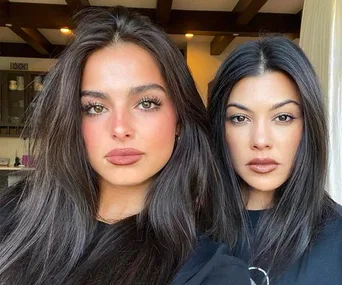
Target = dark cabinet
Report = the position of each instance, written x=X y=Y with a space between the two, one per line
x=17 y=90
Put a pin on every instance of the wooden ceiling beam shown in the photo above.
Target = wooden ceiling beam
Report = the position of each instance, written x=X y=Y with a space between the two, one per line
x=4 y=9
x=76 y=5
x=32 y=15
x=241 y=5
x=163 y=11
x=50 y=16
x=247 y=10
x=34 y=38
x=250 y=11
x=219 y=44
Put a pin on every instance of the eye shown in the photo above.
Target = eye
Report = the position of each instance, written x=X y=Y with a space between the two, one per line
x=94 y=109
x=149 y=104
x=284 y=118
x=146 y=104
x=238 y=119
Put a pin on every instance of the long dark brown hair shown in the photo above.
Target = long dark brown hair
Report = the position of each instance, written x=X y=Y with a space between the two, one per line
x=301 y=204
x=50 y=225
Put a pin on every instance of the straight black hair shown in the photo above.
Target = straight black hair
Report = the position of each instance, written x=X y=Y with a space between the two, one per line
x=52 y=211
x=301 y=204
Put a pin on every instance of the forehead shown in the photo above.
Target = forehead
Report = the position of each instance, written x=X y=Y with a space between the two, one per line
x=268 y=88
x=121 y=64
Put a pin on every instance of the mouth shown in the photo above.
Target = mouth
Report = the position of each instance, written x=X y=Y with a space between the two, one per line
x=124 y=156
x=263 y=165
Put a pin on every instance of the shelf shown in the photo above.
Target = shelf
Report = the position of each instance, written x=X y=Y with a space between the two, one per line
x=16 y=91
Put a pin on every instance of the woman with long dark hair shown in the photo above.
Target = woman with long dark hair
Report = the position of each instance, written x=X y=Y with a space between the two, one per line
x=269 y=129
x=124 y=185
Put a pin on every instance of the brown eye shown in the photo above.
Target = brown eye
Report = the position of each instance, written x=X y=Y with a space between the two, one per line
x=238 y=119
x=98 y=109
x=94 y=109
x=284 y=118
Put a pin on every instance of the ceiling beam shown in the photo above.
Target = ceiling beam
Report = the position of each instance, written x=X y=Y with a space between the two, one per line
x=50 y=16
x=163 y=11
x=4 y=9
x=32 y=15
x=241 y=5
x=247 y=10
x=219 y=44
x=34 y=38
x=25 y=50
x=250 y=11
x=76 y=5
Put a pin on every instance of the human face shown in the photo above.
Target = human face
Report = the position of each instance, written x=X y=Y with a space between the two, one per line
x=263 y=129
x=129 y=121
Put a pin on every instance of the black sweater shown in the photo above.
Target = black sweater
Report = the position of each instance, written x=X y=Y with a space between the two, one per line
x=209 y=264
x=321 y=265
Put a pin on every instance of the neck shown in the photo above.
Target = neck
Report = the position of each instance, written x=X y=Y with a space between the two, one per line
x=258 y=199
x=119 y=202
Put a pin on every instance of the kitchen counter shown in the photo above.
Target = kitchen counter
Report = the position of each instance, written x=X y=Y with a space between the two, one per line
x=10 y=168
x=10 y=175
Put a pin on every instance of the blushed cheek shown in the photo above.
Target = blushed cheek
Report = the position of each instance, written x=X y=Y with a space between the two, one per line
x=90 y=137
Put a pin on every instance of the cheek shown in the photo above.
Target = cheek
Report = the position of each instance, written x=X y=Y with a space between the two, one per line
x=291 y=144
x=234 y=144
x=91 y=136
x=161 y=130
x=289 y=140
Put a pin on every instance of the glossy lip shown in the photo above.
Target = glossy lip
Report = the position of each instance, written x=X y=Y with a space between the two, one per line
x=124 y=156
x=262 y=165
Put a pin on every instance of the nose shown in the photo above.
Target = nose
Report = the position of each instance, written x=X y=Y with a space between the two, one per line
x=261 y=137
x=122 y=125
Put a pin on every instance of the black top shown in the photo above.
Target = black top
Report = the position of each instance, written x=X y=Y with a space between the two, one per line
x=321 y=265
x=209 y=264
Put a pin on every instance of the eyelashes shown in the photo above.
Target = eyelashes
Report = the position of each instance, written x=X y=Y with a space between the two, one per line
x=93 y=108
x=145 y=104
x=149 y=104
x=239 y=119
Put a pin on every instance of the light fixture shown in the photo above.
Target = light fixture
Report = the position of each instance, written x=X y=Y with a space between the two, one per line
x=65 y=31
x=189 y=36
x=236 y=34
x=8 y=25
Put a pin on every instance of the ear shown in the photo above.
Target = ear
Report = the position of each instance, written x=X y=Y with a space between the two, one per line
x=178 y=129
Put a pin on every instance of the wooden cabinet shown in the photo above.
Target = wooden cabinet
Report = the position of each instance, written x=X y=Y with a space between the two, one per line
x=17 y=90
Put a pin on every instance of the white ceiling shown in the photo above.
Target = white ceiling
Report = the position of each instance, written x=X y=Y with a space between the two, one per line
x=56 y=37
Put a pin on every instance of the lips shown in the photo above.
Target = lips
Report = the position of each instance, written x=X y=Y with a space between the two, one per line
x=263 y=165
x=124 y=156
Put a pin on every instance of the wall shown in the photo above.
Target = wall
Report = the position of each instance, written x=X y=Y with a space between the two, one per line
x=9 y=146
x=203 y=66
x=34 y=64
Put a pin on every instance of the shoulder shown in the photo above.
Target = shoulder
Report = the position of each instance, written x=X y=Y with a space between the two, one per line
x=333 y=224
x=212 y=263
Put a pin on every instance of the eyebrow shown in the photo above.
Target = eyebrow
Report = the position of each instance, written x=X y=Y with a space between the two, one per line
x=95 y=94
x=143 y=88
x=133 y=91
x=275 y=106
x=281 y=104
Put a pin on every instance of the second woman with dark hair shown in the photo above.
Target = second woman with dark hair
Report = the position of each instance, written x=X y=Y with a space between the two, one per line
x=270 y=134
x=124 y=175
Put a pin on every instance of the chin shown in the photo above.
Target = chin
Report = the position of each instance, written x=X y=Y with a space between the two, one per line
x=265 y=186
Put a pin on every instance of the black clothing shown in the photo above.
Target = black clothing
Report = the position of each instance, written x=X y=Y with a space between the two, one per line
x=320 y=265
x=209 y=263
